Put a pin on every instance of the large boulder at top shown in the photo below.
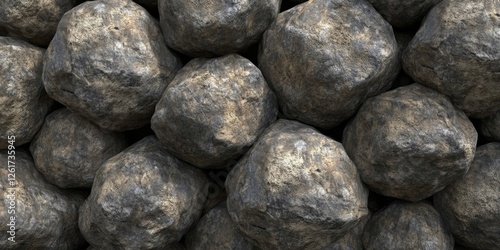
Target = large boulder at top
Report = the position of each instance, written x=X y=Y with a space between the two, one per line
x=402 y=14
x=211 y=28
x=68 y=150
x=142 y=198
x=45 y=217
x=33 y=20
x=23 y=101
x=108 y=63
x=213 y=111
x=490 y=126
x=411 y=142
x=471 y=205
x=295 y=189
x=456 y=52
x=323 y=58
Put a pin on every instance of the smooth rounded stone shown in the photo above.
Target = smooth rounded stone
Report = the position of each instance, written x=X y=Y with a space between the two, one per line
x=45 y=216
x=490 y=126
x=68 y=150
x=295 y=189
x=215 y=27
x=407 y=225
x=142 y=198
x=456 y=52
x=214 y=110
x=323 y=58
x=402 y=14
x=352 y=240
x=108 y=63
x=33 y=20
x=411 y=142
x=23 y=100
x=471 y=205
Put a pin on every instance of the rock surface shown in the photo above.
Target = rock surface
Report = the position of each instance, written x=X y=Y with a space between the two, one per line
x=352 y=240
x=108 y=63
x=295 y=189
x=411 y=142
x=490 y=126
x=402 y=14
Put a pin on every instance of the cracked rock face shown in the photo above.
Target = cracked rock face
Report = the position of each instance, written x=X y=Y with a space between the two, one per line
x=142 y=198
x=108 y=63
x=403 y=14
x=295 y=189
x=490 y=126
x=456 y=52
x=411 y=142
x=471 y=205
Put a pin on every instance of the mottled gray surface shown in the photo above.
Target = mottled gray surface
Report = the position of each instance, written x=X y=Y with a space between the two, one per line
x=208 y=28
x=295 y=189
x=352 y=240
x=142 y=198
x=407 y=225
x=46 y=216
x=23 y=101
x=402 y=14
x=68 y=149
x=490 y=126
x=108 y=62
x=411 y=142
x=456 y=52
x=471 y=205
x=323 y=58
x=213 y=111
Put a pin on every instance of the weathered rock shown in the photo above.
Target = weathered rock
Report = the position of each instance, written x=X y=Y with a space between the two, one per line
x=411 y=142
x=45 y=216
x=403 y=14
x=407 y=225
x=33 y=20
x=215 y=27
x=142 y=198
x=490 y=126
x=323 y=58
x=68 y=150
x=108 y=63
x=23 y=101
x=352 y=240
x=213 y=111
x=295 y=189
x=456 y=52
x=471 y=205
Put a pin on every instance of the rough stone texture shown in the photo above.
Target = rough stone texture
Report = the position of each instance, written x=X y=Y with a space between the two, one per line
x=409 y=143
x=490 y=126
x=210 y=28
x=352 y=240
x=33 y=20
x=23 y=101
x=295 y=189
x=323 y=58
x=142 y=198
x=213 y=111
x=108 y=62
x=471 y=205
x=403 y=14
x=46 y=217
x=215 y=230
x=68 y=150
x=456 y=52
x=407 y=225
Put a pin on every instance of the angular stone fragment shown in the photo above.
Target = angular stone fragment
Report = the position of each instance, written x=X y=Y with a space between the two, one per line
x=471 y=205
x=490 y=126
x=323 y=58
x=403 y=14
x=295 y=189
x=352 y=240
x=410 y=143
x=68 y=150
x=456 y=52
x=108 y=63
x=142 y=198
x=213 y=111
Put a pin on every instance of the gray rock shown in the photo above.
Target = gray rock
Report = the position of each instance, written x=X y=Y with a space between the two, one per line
x=142 y=198
x=323 y=58
x=108 y=63
x=456 y=52
x=352 y=240
x=411 y=142
x=471 y=205
x=490 y=126
x=402 y=14
x=23 y=101
x=45 y=216
x=295 y=189
x=211 y=28
x=213 y=111
x=68 y=149
x=407 y=225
